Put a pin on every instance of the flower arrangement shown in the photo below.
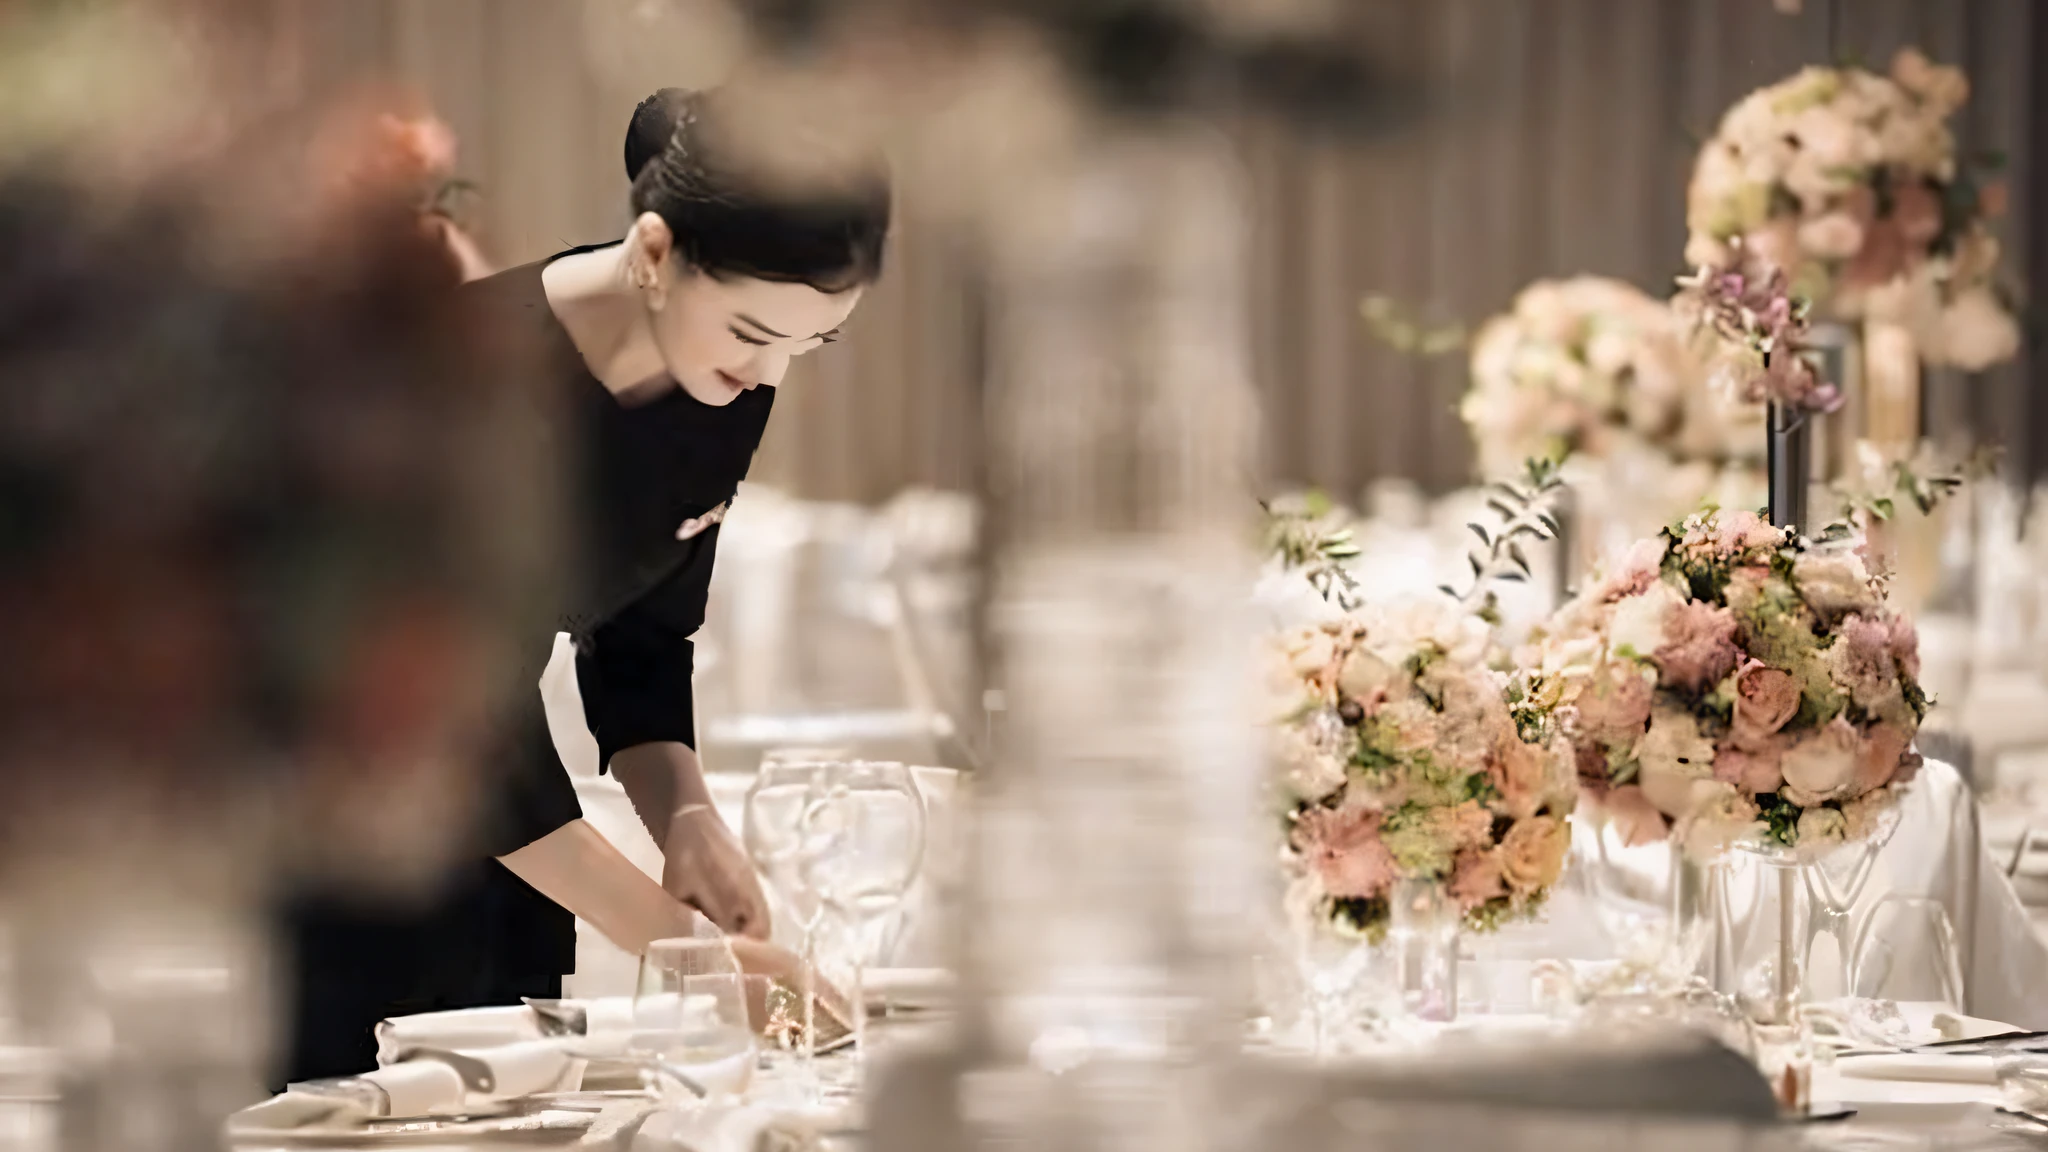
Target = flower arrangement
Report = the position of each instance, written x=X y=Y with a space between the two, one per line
x=1731 y=682
x=1595 y=372
x=1403 y=756
x=1849 y=181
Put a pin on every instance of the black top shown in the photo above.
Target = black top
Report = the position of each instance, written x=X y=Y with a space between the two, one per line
x=637 y=472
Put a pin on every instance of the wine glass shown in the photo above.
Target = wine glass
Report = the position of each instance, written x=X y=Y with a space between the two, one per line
x=774 y=832
x=1907 y=951
x=690 y=1014
x=862 y=846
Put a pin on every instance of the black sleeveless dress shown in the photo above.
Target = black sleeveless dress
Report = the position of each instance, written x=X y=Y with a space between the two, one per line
x=638 y=593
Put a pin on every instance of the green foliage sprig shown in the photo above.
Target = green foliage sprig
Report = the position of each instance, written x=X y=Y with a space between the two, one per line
x=1401 y=331
x=1312 y=538
x=1522 y=512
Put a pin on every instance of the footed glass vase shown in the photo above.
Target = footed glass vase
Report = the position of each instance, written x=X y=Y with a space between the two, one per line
x=1423 y=929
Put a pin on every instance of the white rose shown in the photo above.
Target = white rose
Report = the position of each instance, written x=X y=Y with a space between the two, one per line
x=1864 y=816
x=1835 y=236
x=1702 y=249
x=1719 y=817
x=1365 y=674
x=1976 y=332
x=1834 y=581
x=1821 y=828
x=1310 y=651
x=1672 y=757
x=1821 y=766
x=1638 y=622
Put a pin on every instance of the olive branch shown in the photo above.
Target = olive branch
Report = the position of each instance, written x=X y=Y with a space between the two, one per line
x=1312 y=539
x=1522 y=513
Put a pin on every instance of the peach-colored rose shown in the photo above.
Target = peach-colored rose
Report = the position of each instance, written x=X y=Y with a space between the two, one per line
x=1521 y=776
x=1699 y=648
x=1635 y=818
x=1476 y=879
x=1467 y=825
x=1343 y=848
x=1614 y=709
x=1766 y=699
x=1821 y=765
x=1877 y=761
x=1533 y=853
x=1753 y=768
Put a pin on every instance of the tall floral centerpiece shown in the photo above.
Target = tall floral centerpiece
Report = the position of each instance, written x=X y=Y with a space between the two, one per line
x=1849 y=181
x=1419 y=794
x=1732 y=683
x=1595 y=372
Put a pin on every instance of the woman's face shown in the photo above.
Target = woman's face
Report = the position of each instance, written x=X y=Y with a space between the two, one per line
x=720 y=337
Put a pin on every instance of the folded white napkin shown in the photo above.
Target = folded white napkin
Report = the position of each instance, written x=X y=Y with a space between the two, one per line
x=1924 y=1067
x=421 y=1089
x=509 y=1070
x=609 y=1024
x=466 y=1028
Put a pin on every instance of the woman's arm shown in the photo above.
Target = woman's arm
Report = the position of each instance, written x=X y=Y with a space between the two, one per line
x=703 y=862
x=576 y=867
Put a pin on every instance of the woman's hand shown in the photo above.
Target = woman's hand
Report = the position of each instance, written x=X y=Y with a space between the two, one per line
x=703 y=864
x=705 y=867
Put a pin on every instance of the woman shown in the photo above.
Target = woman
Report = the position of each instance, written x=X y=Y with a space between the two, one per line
x=658 y=359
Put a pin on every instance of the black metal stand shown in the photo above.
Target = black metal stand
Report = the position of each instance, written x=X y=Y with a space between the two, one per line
x=1790 y=460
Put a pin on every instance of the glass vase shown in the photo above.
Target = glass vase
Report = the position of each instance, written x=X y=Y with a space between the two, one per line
x=1422 y=938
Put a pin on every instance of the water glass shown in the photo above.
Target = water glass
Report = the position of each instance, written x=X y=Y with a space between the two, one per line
x=690 y=1015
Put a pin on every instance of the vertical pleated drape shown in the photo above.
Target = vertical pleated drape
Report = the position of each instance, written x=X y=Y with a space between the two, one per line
x=1552 y=137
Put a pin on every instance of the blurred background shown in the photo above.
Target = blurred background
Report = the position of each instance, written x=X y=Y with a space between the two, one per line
x=1510 y=140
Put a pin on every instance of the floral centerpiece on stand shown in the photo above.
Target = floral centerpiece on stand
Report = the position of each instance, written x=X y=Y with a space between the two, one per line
x=1849 y=181
x=1404 y=755
x=1596 y=373
x=1729 y=681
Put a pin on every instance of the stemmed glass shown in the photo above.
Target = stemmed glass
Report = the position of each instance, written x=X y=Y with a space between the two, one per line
x=690 y=1014
x=774 y=830
x=863 y=843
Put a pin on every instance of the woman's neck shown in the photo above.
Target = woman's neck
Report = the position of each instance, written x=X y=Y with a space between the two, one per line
x=605 y=318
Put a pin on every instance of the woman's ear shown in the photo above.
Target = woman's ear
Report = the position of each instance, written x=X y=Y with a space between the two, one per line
x=648 y=248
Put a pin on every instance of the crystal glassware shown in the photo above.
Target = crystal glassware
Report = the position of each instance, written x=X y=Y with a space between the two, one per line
x=774 y=832
x=690 y=1014
x=861 y=849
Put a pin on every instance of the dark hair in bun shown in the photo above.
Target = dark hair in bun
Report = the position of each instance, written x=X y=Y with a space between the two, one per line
x=729 y=222
x=654 y=121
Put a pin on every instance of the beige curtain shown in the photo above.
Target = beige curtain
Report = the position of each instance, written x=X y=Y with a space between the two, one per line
x=1547 y=137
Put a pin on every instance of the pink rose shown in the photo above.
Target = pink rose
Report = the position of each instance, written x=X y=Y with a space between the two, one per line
x=1699 y=649
x=1638 y=569
x=1635 y=818
x=1862 y=660
x=1821 y=766
x=1533 y=852
x=1766 y=699
x=1877 y=762
x=1343 y=848
x=1615 y=707
x=1476 y=879
x=1753 y=768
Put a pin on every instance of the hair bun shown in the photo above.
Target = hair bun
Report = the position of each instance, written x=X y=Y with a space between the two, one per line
x=654 y=122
